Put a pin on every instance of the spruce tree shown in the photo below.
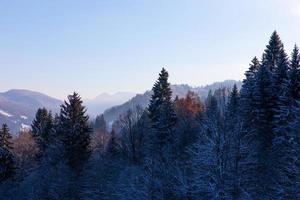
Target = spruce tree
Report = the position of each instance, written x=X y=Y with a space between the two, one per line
x=5 y=137
x=233 y=104
x=247 y=93
x=7 y=164
x=282 y=94
x=264 y=103
x=74 y=130
x=161 y=141
x=42 y=128
x=294 y=75
x=285 y=148
x=234 y=131
x=258 y=170
x=271 y=56
x=161 y=110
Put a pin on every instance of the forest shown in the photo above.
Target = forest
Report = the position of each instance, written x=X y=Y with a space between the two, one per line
x=238 y=143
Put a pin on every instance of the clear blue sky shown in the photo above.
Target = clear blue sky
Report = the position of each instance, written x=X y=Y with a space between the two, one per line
x=58 y=46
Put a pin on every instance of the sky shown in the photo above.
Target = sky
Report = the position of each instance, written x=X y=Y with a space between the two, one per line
x=95 y=46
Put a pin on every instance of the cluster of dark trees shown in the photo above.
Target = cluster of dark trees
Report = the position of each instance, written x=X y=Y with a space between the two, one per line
x=235 y=144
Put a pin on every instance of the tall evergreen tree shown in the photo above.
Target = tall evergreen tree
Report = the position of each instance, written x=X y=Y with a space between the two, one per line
x=233 y=104
x=7 y=163
x=247 y=96
x=285 y=148
x=283 y=98
x=42 y=128
x=75 y=131
x=271 y=56
x=5 y=137
x=234 y=130
x=161 y=110
x=294 y=74
x=257 y=179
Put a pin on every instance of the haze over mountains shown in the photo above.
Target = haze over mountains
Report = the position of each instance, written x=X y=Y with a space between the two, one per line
x=18 y=107
x=104 y=101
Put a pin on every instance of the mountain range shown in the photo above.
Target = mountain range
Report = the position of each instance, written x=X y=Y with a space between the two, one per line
x=18 y=107
x=142 y=100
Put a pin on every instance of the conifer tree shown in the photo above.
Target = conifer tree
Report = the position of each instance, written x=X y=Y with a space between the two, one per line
x=5 y=137
x=285 y=148
x=294 y=75
x=257 y=179
x=233 y=104
x=264 y=102
x=7 y=164
x=271 y=56
x=161 y=110
x=282 y=94
x=233 y=141
x=42 y=128
x=247 y=93
x=74 y=130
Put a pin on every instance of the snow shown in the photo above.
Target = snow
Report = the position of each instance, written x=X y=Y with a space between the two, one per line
x=2 y=112
x=25 y=127
x=23 y=117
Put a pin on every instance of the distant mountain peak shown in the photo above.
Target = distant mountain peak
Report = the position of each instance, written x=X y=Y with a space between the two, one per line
x=104 y=101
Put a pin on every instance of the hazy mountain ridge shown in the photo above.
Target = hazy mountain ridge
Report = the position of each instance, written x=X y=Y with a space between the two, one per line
x=18 y=107
x=104 y=101
x=181 y=90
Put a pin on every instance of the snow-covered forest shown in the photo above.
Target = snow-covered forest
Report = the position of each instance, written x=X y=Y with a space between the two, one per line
x=236 y=144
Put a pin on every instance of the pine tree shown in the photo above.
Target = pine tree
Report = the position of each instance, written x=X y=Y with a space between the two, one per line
x=271 y=56
x=233 y=140
x=283 y=98
x=257 y=172
x=294 y=136
x=233 y=104
x=5 y=138
x=247 y=93
x=7 y=164
x=42 y=128
x=212 y=109
x=74 y=130
x=294 y=75
x=285 y=148
x=161 y=110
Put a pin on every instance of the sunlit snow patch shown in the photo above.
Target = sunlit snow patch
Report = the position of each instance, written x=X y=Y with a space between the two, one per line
x=25 y=127
x=23 y=117
x=2 y=112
